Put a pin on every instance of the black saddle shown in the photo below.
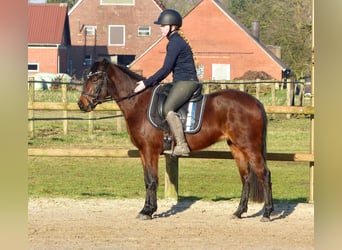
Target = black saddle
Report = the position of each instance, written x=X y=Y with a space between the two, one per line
x=191 y=113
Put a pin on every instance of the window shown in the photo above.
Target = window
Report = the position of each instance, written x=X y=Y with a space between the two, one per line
x=144 y=30
x=87 y=60
x=200 y=71
x=220 y=72
x=117 y=2
x=90 y=30
x=116 y=35
x=33 y=67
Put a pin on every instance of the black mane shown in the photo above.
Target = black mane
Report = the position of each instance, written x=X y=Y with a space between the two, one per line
x=103 y=65
x=130 y=72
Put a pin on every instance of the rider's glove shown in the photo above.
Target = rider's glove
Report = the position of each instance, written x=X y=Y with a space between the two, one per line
x=140 y=86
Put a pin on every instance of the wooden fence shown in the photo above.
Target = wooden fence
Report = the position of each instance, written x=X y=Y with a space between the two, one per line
x=255 y=87
x=171 y=175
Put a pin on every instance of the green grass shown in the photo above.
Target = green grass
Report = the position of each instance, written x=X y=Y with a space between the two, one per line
x=123 y=178
x=56 y=95
x=85 y=177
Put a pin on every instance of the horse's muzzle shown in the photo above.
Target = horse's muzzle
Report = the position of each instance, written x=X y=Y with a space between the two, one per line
x=83 y=107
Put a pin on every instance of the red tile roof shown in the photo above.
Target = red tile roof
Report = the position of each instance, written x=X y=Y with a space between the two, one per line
x=46 y=23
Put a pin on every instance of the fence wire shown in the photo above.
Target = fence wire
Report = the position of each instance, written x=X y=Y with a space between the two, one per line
x=74 y=118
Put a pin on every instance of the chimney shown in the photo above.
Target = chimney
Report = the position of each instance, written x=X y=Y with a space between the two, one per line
x=256 y=29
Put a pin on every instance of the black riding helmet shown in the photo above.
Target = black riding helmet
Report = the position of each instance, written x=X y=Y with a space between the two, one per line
x=169 y=17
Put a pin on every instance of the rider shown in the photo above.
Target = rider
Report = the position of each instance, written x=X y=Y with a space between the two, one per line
x=180 y=61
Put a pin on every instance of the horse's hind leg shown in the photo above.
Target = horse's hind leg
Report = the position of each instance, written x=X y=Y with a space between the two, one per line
x=256 y=179
x=264 y=178
x=268 y=196
x=261 y=182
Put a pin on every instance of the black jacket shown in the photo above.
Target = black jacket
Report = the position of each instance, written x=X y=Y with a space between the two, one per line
x=178 y=60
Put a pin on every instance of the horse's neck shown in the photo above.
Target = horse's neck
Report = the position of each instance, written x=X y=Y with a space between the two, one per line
x=135 y=108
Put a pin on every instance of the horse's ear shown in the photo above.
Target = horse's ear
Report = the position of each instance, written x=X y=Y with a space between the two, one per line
x=94 y=67
x=105 y=63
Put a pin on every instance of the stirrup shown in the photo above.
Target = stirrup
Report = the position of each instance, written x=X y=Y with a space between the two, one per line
x=168 y=151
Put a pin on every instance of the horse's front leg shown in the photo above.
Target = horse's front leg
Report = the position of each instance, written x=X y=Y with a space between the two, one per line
x=151 y=185
x=150 y=205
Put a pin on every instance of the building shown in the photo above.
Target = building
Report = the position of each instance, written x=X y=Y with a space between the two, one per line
x=48 y=38
x=224 y=48
x=118 y=30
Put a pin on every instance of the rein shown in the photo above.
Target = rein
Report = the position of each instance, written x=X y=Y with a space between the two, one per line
x=93 y=100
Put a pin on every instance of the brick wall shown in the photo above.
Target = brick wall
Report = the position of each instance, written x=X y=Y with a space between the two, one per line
x=91 y=13
x=46 y=57
x=51 y=60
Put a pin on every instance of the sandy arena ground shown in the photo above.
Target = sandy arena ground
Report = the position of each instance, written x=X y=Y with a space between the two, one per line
x=111 y=224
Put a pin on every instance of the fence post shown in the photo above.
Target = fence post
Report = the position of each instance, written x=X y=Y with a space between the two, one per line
x=65 y=112
x=242 y=86
x=31 y=112
x=91 y=123
x=257 y=89
x=118 y=122
x=273 y=93
x=289 y=95
x=171 y=177
x=312 y=151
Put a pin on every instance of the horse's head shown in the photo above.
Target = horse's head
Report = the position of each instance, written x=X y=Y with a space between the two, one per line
x=105 y=82
x=95 y=90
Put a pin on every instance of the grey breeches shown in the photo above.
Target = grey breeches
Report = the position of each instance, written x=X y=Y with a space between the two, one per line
x=180 y=93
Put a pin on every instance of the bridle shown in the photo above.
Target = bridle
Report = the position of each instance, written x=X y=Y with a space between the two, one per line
x=93 y=98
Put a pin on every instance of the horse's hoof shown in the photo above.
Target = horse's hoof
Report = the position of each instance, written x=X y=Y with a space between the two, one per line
x=265 y=219
x=144 y=217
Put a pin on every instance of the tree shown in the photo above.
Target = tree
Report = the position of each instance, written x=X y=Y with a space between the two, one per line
x=282 y=23
x=180 y=5
x=69 y=2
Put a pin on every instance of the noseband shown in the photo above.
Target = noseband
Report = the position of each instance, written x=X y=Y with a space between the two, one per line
x=93 y=98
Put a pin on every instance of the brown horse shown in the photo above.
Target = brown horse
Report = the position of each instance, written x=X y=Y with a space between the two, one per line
x=230 y=115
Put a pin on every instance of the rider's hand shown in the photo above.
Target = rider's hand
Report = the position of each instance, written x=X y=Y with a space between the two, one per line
x=140 y=86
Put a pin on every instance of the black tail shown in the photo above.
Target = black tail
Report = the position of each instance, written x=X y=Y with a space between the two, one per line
x=256 y=192
x=256 y=189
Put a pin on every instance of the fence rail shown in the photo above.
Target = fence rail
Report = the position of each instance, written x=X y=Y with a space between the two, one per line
x=133 y=153
x=65 y=106
x=60 y=106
